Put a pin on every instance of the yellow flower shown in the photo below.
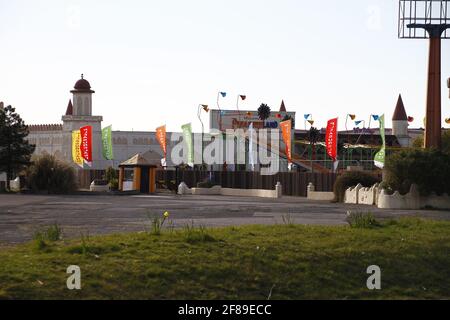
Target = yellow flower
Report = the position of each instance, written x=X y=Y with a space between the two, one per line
x=166 y=214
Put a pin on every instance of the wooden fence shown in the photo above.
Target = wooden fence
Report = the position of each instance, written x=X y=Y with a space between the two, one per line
x=294 y=183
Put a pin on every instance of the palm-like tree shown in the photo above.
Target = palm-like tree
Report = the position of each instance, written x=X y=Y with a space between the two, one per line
x=313 y=138
x=264 y=111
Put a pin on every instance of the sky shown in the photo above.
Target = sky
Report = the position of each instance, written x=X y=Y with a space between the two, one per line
x=153 y=62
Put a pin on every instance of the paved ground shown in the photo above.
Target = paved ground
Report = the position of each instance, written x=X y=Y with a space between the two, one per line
x=22 y=215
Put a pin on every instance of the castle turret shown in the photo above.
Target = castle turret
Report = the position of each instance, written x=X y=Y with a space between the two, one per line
x=79 y=114
x=400 y=123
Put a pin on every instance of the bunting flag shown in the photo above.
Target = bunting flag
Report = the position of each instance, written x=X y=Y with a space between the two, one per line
x=251 y=159
x=286 y=130
x=107 y=143
x=307 y=116
x=86 y=144
x=410 y=119
x=352 y=116
x=311 y=122
x=380 y=157
x=161 y=137
x=332 y=138
x=358 y=122
x=243 y=97
x=375 y=117
x=187 y=134
x=223 y=94
x=76 y=151
x=447 y=121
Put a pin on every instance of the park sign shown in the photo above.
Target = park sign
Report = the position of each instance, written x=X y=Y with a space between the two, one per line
x=234 y=119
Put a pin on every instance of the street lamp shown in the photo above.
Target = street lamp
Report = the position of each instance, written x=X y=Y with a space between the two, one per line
x=239 y=98
x=374 y=117
x=307 y=116
x=205 y=108
x=223 y=95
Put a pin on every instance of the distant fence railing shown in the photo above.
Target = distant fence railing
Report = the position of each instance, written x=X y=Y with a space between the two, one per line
x=294 y=183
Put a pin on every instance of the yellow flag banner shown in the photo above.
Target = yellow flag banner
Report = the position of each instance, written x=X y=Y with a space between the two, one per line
x=76 y=151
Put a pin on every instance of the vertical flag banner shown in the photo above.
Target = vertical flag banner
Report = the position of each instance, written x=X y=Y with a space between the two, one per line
x=107 y=143
x=251 y=158
x=86 y=144
x=187 y=134
x=286 y=130
x=331 y=138
x=76 y=151
x=381 y=155
x=161 y=137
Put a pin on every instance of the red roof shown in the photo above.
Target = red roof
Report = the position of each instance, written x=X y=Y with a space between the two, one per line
x=69 y=110
x=283 y=107
x=400 y=113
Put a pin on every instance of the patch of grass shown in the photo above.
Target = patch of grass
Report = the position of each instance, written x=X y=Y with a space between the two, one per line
x=197 y=234
x=251 y=262
x=52 y=233
x=362 y=220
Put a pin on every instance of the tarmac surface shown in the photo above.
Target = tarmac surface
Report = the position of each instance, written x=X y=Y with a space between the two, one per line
x=22 y=215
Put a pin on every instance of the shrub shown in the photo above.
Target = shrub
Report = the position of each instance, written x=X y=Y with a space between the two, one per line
x=429 y=169
x=351 y=179
x=418 y=142
x=111 y=174
x=51 y=175
x=114 y=184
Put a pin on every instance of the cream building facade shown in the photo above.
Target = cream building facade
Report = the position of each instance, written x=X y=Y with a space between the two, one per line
x=56 y=139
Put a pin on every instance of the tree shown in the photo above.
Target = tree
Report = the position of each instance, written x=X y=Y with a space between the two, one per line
x=15 y=151
x=314 y=135
x=264 y=111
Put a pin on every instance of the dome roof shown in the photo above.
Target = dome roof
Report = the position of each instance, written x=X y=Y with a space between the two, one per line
x=82 y=85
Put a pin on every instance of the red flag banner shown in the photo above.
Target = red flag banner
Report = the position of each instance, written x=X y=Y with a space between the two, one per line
x=86 y=144
x=161 y=137
x=286 y=129
x=331 y=139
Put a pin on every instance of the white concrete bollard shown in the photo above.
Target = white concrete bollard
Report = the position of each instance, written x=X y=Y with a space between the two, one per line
x=279 y=189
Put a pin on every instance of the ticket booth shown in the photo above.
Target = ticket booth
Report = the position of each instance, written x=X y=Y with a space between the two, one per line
x=139 y=173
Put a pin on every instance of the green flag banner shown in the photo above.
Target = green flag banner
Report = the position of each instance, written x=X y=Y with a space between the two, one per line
x=381 y=155
x=187 y=134
x=107 y=143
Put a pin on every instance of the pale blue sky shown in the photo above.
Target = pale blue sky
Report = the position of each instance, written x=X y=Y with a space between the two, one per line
x=152 y=62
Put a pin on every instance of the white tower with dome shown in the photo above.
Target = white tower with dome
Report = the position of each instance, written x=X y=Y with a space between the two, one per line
x=79 y=114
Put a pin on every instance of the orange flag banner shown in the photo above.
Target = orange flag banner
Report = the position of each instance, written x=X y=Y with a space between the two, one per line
x=286 y=129
x=161 y=137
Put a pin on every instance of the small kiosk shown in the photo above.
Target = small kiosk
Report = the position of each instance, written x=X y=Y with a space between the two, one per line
x=139 y=172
